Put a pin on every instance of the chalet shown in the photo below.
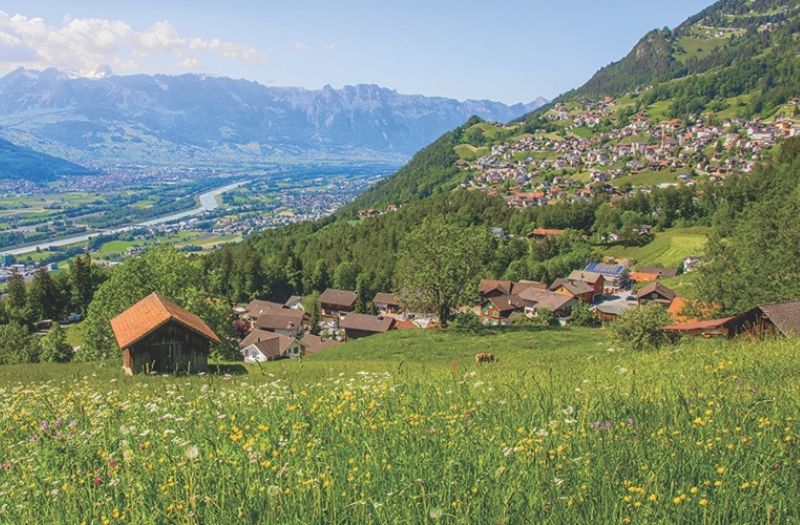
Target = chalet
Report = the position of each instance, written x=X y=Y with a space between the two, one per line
x=545 y=233
x=615 y=275
x=593 y=279
x=156 y=335
x=520 y=286
x=714 y=327
x=653 y=274
x=494 y=288
x=608 y=311
x=284 y=321
x=256 y=308
x=580 y=290
x=766 y=319
x=498 y=310
x=537 y=300
x=386 y=303
x=337 y=303
x=361 y=325
x=268 y=346
x=655 y=292
x=315 y=343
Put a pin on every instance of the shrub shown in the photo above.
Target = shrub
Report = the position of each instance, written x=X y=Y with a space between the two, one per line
x=583 y=315
x=640 y=328
x=54 y=346
x=466 y=322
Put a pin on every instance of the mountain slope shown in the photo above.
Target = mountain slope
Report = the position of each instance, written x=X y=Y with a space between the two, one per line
x=18 y=163
x=737 y=59
x=718 y=39
x=200 y=118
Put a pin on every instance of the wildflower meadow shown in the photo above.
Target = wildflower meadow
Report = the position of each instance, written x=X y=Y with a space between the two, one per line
x=553 y=433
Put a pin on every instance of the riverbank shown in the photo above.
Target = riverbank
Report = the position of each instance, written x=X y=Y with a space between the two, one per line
x=207 y=201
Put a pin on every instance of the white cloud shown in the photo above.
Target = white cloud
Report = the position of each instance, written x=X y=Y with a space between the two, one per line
x=330 y=46
x=83 y=45
x=299 y=46
x=190 y=63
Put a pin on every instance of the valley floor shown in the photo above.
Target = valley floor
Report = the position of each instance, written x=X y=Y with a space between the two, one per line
x=406 y=428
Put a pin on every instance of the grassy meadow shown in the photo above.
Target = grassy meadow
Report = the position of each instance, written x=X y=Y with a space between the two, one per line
x=406 y=428
x=669 y=248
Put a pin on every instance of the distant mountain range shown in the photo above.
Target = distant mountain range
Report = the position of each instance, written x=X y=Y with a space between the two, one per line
x=23 y=163
x=197 y=118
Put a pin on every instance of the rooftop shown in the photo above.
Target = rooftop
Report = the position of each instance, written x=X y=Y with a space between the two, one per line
x=150 y=314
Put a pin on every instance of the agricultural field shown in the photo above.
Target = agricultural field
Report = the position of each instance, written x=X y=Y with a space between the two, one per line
x=406 y=428
x=669 y=248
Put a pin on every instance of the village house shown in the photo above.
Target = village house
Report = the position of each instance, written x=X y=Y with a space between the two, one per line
x=494 y=288
x=655 y=292
x=260 y=346
x=337 y=303
x=386 y=303
x=763 y=320
x=284 y=321
x=361 y=325
x=498 y=310
x=315 y=343
x=616 y=276
x=497 y=287
x=537 y=300
x=156 y=335
x=256 y=308
x=580 y=290
x=593 y=279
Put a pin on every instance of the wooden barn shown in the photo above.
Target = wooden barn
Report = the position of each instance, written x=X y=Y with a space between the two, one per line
x=156 y=335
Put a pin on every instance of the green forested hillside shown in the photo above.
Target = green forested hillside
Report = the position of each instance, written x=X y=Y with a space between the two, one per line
x=726 y=39
x=18 y=163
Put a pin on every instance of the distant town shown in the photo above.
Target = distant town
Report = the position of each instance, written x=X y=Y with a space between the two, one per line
x=601 y=147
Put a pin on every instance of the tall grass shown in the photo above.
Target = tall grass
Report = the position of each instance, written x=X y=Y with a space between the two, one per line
x=704 y=433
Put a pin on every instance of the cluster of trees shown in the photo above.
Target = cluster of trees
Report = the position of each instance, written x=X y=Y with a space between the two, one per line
x=47 y=296
x=754 y=247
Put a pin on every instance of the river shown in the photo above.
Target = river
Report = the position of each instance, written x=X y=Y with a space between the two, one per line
x=206 y=202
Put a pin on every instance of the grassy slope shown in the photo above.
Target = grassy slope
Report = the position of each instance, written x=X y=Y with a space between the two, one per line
x=669 y=248
x=560 y=431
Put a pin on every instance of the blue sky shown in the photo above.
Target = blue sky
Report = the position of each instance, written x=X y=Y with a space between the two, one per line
x=508 y=51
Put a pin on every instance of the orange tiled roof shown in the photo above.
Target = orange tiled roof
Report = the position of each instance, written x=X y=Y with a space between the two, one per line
x=149 y=314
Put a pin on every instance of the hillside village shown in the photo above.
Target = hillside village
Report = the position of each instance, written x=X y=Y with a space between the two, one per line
x=596 y=147
x=271 y=330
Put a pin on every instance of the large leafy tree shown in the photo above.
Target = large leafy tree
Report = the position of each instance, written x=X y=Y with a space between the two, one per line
x=440 y=265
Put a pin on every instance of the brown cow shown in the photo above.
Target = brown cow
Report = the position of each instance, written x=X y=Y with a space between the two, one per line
x=485 y=357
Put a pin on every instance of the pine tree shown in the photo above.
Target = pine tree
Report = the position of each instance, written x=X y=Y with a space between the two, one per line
x=43 y=299
x=17 y=295
x=82 y=279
